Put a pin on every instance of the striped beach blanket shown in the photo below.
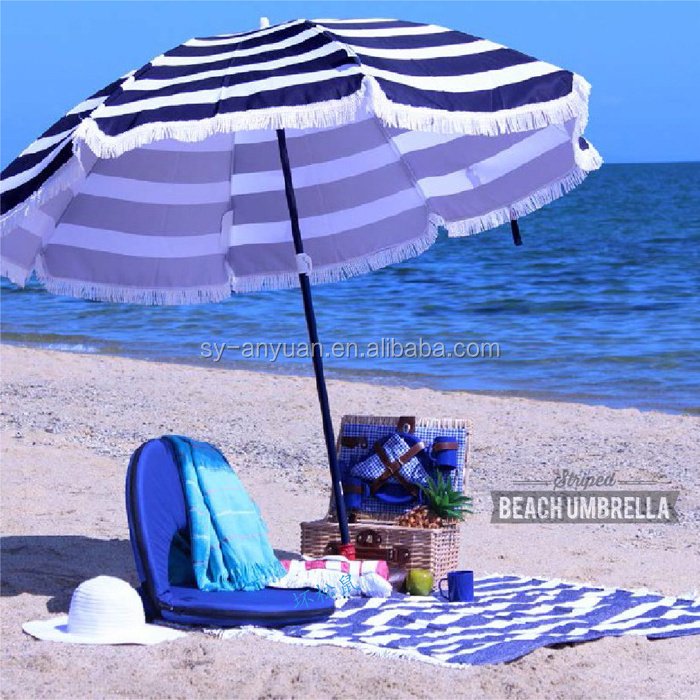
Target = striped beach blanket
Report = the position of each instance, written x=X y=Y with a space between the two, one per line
x=510 y=617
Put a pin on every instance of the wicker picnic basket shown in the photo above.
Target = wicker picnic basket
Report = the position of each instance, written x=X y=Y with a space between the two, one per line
x=405 y=547
x=373 y=527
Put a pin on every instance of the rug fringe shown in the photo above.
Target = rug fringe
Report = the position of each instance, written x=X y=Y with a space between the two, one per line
x=364 y=647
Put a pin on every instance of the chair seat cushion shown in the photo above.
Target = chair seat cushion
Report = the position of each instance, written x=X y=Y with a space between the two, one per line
x=271 y=607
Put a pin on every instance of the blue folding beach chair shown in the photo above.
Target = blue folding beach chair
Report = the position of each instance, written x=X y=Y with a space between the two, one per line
x=155 y=505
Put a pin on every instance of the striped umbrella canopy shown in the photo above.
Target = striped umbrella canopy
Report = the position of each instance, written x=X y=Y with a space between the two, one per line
x=305 y=152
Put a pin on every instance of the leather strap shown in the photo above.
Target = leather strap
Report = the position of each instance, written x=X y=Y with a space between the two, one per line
x=352 y=488
x=406 y=424
x=391 y=469
x=398 y=555
x=442 y=446
x=394 y=468
x=369 y=547
x=368 y=538
x=351 y=441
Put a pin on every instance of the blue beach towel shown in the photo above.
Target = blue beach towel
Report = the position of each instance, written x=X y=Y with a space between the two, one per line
x=511 y=616
x=228 y=537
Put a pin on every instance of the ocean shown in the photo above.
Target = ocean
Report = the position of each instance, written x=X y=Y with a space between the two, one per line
x=600 y=305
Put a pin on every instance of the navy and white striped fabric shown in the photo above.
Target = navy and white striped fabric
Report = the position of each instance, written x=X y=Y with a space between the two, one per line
x=510 y=617
x=166 y=186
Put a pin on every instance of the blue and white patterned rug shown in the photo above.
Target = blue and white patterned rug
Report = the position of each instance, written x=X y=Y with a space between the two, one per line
x=511 y=616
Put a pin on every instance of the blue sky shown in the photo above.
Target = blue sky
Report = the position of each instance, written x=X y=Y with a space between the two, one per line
x=642 y=59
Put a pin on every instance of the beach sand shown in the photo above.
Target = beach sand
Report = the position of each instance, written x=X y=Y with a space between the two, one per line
x=70 y=423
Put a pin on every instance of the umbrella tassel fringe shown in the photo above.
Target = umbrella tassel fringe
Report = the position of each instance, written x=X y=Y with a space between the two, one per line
x=287 y=280
x=65 y=177
x=216 y=293
x=527 y=118
x=129 y=295
x=368 y=100
x=15 y=273
x=348 y=269
x=534 y=201
x=319 y=115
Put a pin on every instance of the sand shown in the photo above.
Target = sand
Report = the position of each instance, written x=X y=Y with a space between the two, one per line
x=70 y=422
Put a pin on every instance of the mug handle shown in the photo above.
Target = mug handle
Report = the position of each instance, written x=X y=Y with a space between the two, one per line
x=442 y=593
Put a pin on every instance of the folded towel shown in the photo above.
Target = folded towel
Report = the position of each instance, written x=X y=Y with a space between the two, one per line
x=338 y=577
x=228 y=537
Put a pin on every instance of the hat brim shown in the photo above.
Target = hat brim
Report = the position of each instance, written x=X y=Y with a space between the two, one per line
x=56 y=630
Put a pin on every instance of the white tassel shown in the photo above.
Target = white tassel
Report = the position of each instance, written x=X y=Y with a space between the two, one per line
x=15 y=273
x=525 y=118
x=344 y=270
x=290 y=279
x=319 y=115
x=534 y=201
x=66 y=176
x=129 y=295
x=369 y=99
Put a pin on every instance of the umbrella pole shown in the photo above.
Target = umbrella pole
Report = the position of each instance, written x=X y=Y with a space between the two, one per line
x=515 y=230
x=304 y=268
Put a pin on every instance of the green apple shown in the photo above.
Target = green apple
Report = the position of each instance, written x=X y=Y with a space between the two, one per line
x=419 y=582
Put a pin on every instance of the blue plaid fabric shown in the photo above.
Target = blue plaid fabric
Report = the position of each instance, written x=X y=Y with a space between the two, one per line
x=350 y=456
x=395 y=446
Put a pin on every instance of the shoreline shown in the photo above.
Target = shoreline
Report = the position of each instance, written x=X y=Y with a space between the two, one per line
x=372 y=378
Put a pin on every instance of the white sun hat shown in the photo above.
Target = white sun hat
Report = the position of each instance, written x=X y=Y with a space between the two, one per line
x=103 y=610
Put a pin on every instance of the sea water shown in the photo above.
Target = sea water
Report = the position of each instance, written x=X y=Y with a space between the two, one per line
x=600 y=305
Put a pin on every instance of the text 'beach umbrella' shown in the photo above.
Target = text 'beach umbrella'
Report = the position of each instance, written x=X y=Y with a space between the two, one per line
x=305 y=152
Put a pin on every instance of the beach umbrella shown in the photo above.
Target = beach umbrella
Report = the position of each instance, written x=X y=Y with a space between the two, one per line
x=301 y=153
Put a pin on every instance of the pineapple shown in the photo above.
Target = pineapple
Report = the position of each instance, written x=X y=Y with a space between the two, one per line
x=444 y=504
x=419 y=516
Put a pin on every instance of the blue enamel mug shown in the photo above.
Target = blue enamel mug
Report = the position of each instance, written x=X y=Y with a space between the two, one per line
x=460 y=586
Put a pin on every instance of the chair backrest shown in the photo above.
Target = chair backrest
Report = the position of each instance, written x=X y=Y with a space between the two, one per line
x=155 y=506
